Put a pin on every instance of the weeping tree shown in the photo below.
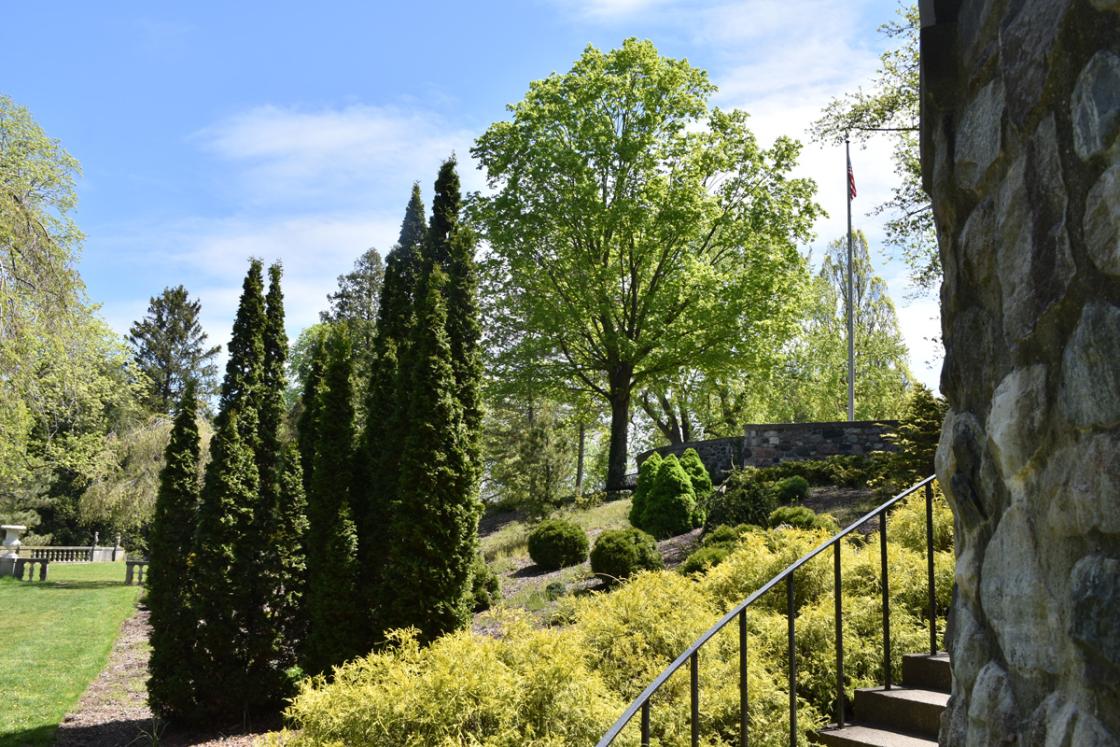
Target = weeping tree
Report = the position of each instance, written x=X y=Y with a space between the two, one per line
x=636 y=229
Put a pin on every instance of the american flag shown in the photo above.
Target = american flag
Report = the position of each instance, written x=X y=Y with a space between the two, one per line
x=851 y=181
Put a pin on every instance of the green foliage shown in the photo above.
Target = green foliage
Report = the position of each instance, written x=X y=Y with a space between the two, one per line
x=647 y=476
x=919 y=430
x=892 y=101
x=620 y=553
x=434 y=519
x=742 y=499
x=792 y=489
x=170 y=688
x=843 y=470
x=335 y=613
x=614 y=644
x=801 y=517
x=704 y=558
x=355 y=304
x=697 y=474
x=706 y=270
x=530 y=454
x=556 y=544
x=169 y=346
x=671 y=507
x=486 y=589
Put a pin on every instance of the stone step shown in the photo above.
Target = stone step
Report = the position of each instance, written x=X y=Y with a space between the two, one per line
x=927 y=672
x=903 y=708
x=862 y=735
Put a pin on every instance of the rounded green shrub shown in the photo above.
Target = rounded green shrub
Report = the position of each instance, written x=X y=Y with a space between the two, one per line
x=556 y=544
x=801 y=518
x=706 y=557
x=720 y=535
x=671 y=506
x=485 y=588
x=647 y=476
x=792 y=489
x=620 y=553
x=744 y=499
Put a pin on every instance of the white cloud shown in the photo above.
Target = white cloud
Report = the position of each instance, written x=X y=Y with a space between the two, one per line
x=610 y=10
x=338 y=155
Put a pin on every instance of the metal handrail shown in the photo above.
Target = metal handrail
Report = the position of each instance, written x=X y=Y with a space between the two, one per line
x=691 y=654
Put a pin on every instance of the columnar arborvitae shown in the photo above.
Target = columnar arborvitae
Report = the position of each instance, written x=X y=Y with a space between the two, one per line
x=335 y=613
x=377 y=464
x=307 y=427
x=225 y=585
x=464 y=327
x=274 y=547
x=170 y=686
x=435 y=515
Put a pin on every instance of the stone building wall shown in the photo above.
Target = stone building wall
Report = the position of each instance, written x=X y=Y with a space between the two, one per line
x=1020 y=118
x=765 y=445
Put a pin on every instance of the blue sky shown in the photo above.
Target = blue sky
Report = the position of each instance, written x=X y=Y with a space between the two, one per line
x=210 y=132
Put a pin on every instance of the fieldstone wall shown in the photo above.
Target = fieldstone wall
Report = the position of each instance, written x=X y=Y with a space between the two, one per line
x=764 y=445
x=1020 y=118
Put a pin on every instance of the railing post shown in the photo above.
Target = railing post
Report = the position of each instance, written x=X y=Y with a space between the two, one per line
x=887 y=674
x=836 y=585
x=929 y=563
x=695 y=694
x=792 y=664
x=744 y=715
x=645 y=724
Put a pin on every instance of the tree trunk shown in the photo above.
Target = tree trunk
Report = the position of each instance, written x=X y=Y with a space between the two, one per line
x=620 y=427
x=579 y=459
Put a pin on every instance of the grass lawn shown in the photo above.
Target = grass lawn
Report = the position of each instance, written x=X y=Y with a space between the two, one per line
x=54 y=640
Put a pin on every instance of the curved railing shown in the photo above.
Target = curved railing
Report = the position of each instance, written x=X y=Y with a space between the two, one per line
x=691 y=655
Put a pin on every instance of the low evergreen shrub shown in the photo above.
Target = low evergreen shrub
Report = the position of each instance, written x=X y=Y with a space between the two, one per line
x=670 y=507
x=621 y=553
x=647 y=476
x=705 y=557
x=697 y=473
x=801 y=517
x=486 y=590
x=743 y=499
x=792 y=489
x=556 y=544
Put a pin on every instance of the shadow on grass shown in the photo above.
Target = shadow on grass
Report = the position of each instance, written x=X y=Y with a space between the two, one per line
x=69 y=585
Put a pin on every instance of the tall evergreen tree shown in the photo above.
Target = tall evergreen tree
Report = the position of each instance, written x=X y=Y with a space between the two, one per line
x=225 y=548
x=307 y=428
x=335 y=613
x=170 y=688
x=377 y=465
x=435 y=516
x=169 y=346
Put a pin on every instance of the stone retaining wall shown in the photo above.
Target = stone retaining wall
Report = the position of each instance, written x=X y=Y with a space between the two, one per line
x=763 y=445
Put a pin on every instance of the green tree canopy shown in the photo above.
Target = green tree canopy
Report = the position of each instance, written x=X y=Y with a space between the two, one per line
x=634 y=229
x=170 y=348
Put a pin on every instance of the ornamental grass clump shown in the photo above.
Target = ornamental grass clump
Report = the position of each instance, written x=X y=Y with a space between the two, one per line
x=556 y=544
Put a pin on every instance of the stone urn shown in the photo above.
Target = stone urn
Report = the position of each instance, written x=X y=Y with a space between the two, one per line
x=10 y=547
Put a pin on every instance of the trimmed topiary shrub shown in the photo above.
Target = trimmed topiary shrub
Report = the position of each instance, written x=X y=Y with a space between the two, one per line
x=792 y=489
x=744 y=499
x=647 y=476
x=671 y=506
x=620 y=553
x=802 y=518
x=697 y=473
x=556 y=544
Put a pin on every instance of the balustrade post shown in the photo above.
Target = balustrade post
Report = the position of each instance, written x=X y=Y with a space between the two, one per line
x=695 y=696
x=887 y=673
x=744 y=715
x=645 y=724
x=836 y=593
x=929 y=564
x=792 y=663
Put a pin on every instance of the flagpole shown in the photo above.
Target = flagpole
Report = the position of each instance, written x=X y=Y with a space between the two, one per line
x=851 y=290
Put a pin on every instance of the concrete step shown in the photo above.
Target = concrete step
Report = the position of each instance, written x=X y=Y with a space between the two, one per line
x=927 y=672
x=862 y=735
x=902 y=708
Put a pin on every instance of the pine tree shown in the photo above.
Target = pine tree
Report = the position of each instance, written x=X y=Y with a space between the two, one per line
x=377 y=464
x=435 y=516
x=169 y=346
x=917 y=435
x=336 y=618
x=170 y=688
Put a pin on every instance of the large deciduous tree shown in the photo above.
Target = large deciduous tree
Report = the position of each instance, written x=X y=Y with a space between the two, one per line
x=169 y=346
x=638 y=229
